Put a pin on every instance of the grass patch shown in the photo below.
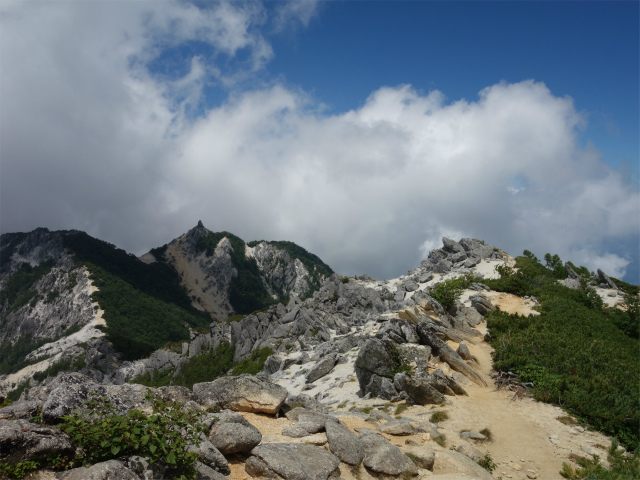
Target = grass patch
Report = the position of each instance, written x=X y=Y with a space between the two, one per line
x=568 y=420
x=439 y=416
x=401 y=408
x=441 y=440
x=488 y=434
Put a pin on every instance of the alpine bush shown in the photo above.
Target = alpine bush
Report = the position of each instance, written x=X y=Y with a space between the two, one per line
x=103 y=433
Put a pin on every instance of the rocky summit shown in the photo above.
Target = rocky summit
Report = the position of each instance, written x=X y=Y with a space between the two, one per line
x=161 y=367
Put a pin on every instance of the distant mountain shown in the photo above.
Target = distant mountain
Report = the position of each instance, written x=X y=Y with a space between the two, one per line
x=54 y=284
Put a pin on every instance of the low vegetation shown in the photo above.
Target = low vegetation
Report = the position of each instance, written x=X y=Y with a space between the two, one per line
x=578 y=354
x=621 y=466
x=447 y=292
x=207 y=366
x=103 y=434
x=439 y=416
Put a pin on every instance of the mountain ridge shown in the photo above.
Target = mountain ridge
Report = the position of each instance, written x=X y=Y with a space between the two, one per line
x=355 y=342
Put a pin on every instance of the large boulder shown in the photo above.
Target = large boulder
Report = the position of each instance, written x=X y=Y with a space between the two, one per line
x=482 y=304
x=382 y=457
x=246 y=393
x=447 y=354
x=419 y=390
x=449 y=461
x=232 y=433
x=21 y=440
x=344 y=444
x=291 y=461
x=67 y=397
x=210 y=455
x=606 y=281
x=323 y=367
x=19 y=410
x=374 y=358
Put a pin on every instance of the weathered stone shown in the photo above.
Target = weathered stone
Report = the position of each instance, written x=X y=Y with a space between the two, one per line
x=322 y=368
x=143 y=467
x=19 y=410
x=130 y=395
x=451 y=246
x=472 y=436
x=204 y=472
x=295 y=432
x=471 y=452
x=604 y=278
x=210 y=455
x=481 y=303
x=397 y=427
x=383 y=457
x=424 y=457
x=109 y=470
x=410 y=286
x=373 y=358
x=292 y=461
x=419 y=390
x=451 y=461
x=231 y=437
x=447 y=354
x=176 y=394
x=21 y=440
x=67 y=397
x=245 y=394
x=344 y=443
x=305 y=401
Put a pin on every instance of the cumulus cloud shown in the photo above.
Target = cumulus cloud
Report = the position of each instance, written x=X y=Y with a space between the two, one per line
x=94 y=139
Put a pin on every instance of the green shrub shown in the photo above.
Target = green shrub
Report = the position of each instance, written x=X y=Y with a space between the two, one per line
x=103 y=434
x=487 y=463
x=254 y=364
x=19 y=470
x=400 y=364
x=621 y=466
x=447 y=292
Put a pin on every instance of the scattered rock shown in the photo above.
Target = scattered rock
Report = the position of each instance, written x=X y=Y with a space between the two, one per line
x=471 y=452
x=21 y=440
x=344 y=444
x=383 y=457
x=109 y=470
x=292 y=461
x=244 y=394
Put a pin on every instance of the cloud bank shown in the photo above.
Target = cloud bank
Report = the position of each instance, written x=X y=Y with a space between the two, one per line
x=93 y=137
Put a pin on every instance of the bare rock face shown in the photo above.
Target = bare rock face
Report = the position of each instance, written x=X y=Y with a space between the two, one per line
x=206 y=278
x=280 y=271
x=241 y=394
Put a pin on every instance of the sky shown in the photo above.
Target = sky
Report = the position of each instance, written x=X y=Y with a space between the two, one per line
x=364 y=131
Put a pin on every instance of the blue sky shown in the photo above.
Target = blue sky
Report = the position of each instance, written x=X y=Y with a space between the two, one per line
x=586 y=50
x=364 y=131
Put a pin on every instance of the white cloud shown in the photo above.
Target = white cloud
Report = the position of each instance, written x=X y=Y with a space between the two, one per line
x=91 y=139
